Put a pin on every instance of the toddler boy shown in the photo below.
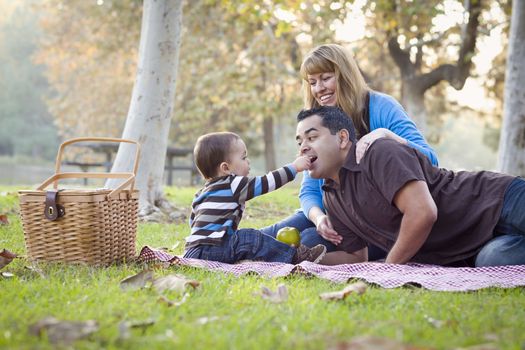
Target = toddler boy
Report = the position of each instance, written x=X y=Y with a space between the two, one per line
x=217 y=208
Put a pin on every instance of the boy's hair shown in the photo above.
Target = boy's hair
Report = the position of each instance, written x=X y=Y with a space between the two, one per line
x=211 y=150
x=351 y=87
x=332 y=118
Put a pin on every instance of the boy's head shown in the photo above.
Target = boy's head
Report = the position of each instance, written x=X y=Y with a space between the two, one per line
x=325 y=134
x=221 y=153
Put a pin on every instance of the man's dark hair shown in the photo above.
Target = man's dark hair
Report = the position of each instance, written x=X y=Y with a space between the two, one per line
x=332 y=118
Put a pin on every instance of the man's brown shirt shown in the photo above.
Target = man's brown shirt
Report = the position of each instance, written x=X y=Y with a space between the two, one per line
x=361 y=208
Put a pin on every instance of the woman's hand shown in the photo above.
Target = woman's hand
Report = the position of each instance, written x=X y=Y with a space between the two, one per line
x=366 y=141
x=326 y=230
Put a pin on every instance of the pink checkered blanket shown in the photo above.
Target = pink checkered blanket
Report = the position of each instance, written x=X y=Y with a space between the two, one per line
x=385 y=275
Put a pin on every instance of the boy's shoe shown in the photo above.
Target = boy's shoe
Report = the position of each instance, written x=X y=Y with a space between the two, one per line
x=314 y=254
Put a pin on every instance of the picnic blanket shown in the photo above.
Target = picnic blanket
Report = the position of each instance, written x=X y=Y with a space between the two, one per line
x=431 y=277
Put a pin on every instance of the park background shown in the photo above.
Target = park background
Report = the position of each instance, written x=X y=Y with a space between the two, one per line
x=72 y=68
x=67 y=70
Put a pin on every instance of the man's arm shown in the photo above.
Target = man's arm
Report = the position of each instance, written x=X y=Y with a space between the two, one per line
x=419 y=214
x=341 y=257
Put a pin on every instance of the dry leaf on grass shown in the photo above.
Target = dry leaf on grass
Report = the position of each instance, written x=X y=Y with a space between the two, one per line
x=205 y=320
x=374 y=343
x=170 y=303
x=63 y=332
x=137 y=281
x=7 y=274
x=176 y=283
x=124 y=327
x=480 y=347
x=358 y=287
x=36 y=270
x=280 y=296
x=6 y=257
x=3 y=219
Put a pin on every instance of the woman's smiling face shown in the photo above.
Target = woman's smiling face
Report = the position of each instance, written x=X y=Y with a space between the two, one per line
x=323 y=88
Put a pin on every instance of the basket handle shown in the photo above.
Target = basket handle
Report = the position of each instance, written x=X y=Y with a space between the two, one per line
x=96 y=139
x=130 y=179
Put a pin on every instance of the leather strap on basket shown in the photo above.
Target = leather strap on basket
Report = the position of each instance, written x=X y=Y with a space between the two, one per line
x=53 y=210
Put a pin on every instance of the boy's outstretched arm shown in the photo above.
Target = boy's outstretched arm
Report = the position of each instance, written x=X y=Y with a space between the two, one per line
x=246 y=188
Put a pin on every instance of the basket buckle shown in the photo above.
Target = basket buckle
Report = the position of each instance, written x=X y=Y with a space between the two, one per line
x=52 y=210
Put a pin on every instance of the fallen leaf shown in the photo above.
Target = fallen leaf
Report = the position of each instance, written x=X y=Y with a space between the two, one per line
x=125 y=326
x=7 y=274
x=480 y=347
x=176 y=283
x=137 y=281
x=6 y=257
x=373 y=343
x=434 y=322
x=204 y=320
x=36 y=270
x=63 y=332
x=358 y=287
x=280 y=296
x=3 y=219
x=170 y=303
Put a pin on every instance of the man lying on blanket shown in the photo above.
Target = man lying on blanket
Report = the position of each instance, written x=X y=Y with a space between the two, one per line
x=396 y=200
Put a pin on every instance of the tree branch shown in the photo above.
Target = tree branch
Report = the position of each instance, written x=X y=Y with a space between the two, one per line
x=401 y=58
x=457 y=74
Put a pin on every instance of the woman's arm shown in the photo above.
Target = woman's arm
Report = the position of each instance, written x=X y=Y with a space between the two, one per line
x=310 y=194
x=311 y=199
x=389 y=119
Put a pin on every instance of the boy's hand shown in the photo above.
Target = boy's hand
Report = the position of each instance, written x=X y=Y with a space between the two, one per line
x=302 y=163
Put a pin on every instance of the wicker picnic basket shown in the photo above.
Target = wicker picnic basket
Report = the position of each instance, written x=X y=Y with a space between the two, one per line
x=88 y=226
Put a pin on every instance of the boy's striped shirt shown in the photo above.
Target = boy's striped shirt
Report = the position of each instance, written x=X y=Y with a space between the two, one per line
x=218 y=207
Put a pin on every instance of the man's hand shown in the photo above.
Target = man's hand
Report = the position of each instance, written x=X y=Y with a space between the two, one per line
x=419 y=214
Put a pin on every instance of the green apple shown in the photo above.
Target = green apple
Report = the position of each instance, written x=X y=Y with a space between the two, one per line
x=290 y=236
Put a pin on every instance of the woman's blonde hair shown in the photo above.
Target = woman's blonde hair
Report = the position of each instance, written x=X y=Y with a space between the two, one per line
x=351 y=88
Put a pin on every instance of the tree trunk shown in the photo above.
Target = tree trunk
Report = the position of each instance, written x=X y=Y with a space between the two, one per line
x=414 y=103
x=269 y=144
x=415 y=84
x=150 y=111
x=511 y=157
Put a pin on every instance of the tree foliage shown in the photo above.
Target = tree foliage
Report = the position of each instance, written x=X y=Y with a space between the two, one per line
x=27 y=127
x=90 y=51
x=239 y=59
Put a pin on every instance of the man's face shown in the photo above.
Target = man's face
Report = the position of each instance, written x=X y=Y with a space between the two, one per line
x=323 y=148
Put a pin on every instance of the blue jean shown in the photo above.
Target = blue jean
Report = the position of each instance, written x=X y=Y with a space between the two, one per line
x=508 y=245
x=310 y=237
x=245 y=244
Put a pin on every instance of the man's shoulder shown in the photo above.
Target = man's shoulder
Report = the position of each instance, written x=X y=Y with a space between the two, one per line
x=386 y=150
x=386 y=146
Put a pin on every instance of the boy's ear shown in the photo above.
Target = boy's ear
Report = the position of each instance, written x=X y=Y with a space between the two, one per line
x=344 y=138
x=224 y=168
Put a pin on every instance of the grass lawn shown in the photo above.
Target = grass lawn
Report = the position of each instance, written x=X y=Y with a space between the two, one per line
x=226 y=312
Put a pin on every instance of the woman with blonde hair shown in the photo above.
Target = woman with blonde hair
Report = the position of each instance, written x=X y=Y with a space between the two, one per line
x=331 y=77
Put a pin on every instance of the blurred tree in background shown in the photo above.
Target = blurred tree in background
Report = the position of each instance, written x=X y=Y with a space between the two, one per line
x=27 y=127
x=90 y=49
x=239 y=60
